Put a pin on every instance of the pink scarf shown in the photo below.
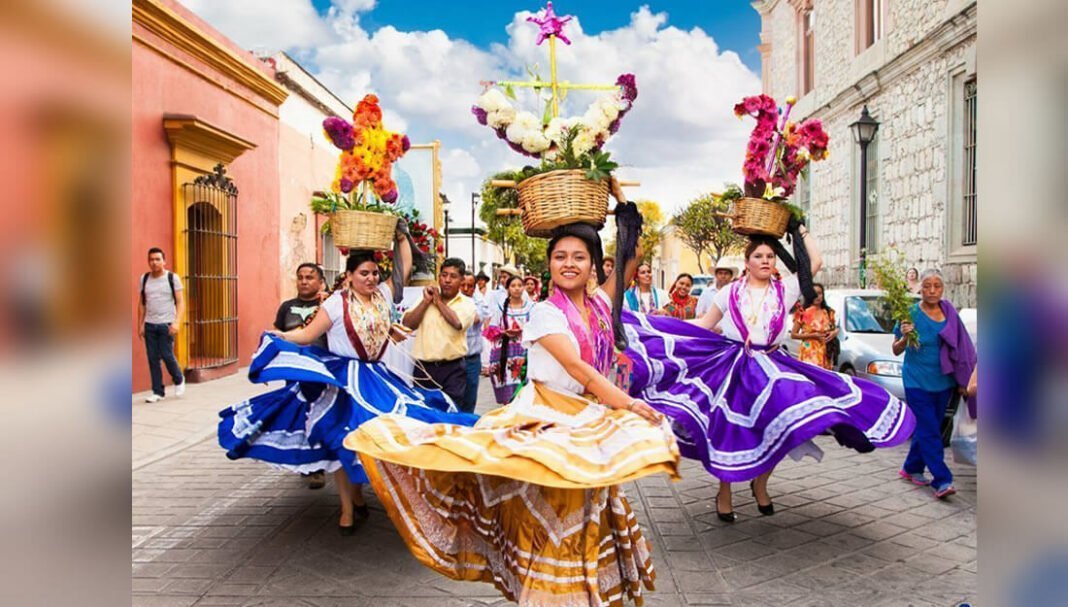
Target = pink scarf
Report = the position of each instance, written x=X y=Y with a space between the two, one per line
x=594 y=338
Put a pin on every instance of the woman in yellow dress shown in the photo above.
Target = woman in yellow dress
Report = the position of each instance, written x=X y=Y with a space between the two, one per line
x=529 y=498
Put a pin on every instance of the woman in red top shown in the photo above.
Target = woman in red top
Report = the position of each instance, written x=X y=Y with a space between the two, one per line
x=682 y=306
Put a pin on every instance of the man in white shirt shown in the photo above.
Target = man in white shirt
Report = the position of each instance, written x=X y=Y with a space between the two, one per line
x=159 y=314
x=724 y=275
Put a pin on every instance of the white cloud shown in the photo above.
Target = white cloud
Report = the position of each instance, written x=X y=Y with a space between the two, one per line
x=680 y=139
x=254 y=25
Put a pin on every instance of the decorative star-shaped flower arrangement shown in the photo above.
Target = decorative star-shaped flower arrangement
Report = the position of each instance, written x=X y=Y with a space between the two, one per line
x=550 y=24
x=368 y=150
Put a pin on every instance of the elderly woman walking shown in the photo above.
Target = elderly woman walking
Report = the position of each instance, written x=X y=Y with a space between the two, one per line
x=939 y=364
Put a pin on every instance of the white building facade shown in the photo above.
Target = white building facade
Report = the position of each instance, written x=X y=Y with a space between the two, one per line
x=913 y=63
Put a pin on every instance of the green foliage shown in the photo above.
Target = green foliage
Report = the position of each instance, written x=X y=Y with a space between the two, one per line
x=889 y=271
x=507 y=230
x=705 y=231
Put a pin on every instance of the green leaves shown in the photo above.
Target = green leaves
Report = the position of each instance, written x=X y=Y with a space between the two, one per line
x=601 y=166
x=889 y=270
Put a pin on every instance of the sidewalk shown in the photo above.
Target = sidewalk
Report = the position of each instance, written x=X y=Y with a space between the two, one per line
x=174 y=424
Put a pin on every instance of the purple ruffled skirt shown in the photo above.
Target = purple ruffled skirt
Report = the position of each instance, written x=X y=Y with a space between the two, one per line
x=740 y=412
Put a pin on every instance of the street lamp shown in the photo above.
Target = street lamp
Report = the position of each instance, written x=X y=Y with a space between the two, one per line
x=475 y=198
x=445 y=208
x=864 y=130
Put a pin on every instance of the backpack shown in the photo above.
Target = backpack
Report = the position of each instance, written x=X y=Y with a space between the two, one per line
x=170 y=281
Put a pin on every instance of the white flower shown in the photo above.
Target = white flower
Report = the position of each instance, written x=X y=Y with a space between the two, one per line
x=535 y=142
x=555 y=130
x=501 y=118
x=584 y=142
x=528 y=120
x=493 y=100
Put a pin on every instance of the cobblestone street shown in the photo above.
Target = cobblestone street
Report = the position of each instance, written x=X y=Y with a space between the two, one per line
x=847 y=531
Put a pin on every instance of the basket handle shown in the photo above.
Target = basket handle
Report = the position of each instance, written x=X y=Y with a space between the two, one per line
x=509 y=183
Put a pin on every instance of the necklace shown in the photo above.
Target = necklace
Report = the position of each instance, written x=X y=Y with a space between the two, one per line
x=753 y=314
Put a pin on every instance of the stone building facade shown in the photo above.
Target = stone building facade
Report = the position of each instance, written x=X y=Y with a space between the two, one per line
x=913 y=63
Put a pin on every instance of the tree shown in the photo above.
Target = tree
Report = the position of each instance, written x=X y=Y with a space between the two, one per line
x=704 y=231
x=507 y=230
x=653 y=217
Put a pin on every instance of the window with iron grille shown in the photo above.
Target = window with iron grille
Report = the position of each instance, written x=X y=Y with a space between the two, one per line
x=333 y=262
x=211 y=282
x=869 y=20
x=969 y=234
x=808 y=51
x=873 y=196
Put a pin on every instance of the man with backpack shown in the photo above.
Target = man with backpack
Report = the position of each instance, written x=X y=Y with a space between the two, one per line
x=161 y=307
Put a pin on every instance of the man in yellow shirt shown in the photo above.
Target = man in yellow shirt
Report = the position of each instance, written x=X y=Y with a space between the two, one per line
x=441 y=320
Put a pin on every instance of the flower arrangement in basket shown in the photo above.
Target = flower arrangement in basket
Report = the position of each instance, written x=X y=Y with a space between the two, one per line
x=360 y=204
x=570 y=184
x=778 y=152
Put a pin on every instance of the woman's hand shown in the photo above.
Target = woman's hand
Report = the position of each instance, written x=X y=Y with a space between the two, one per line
x=906 y=328
x=616 y=189
x=645 y=411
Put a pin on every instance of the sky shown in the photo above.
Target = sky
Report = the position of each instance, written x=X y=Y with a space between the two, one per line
x=693 y=61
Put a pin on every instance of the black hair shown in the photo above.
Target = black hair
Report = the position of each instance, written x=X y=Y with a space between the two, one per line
x=502 y=362
x=314 y=266
x=358 y=258
x=589 y=236
x=454 y=262
x=157 y=250
x=468 y=273
x=809 y=302
x=481 y=276
x=680 y=277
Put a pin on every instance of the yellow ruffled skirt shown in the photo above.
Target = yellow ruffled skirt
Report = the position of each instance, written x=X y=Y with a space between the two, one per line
x=527 y=499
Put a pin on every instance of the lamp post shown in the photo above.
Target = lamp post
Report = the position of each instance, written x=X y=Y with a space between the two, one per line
x=445 y=208
x=475 y=198
x=864 y=130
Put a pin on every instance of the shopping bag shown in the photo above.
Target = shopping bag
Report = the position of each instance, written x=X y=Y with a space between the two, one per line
x=963 y=439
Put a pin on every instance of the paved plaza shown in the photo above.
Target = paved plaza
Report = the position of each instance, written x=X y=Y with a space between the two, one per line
x=208 y=531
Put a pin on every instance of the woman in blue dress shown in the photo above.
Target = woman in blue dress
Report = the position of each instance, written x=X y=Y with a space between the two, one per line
x=328 y=394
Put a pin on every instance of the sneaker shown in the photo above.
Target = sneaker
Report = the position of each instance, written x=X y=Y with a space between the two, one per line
x=916 y=479
x=945 y=491
x=153 y=398
x=179 y=389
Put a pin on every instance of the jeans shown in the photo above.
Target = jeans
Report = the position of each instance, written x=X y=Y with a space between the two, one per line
x=473 y=365
x=926 y=450
x=159 y=344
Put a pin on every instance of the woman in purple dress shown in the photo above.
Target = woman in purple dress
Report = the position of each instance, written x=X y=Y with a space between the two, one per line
x=737 y=402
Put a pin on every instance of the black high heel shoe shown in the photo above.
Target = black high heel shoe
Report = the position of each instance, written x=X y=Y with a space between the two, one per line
x=765 y=510
x=726 y=517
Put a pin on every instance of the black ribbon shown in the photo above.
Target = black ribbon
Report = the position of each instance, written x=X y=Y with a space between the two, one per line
x=398 y=267
x=799 y=263
x=628 y=231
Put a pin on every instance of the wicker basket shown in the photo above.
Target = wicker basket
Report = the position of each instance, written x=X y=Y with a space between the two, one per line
x=363 y=230
x=759 y=216
x=557 y=198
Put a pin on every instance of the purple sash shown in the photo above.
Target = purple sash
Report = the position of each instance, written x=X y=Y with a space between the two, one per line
x=778 y=319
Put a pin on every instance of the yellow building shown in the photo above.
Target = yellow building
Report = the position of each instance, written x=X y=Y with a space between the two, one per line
x=672 y=257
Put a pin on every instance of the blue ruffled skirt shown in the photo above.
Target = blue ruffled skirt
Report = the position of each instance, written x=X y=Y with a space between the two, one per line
x=300 y=427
